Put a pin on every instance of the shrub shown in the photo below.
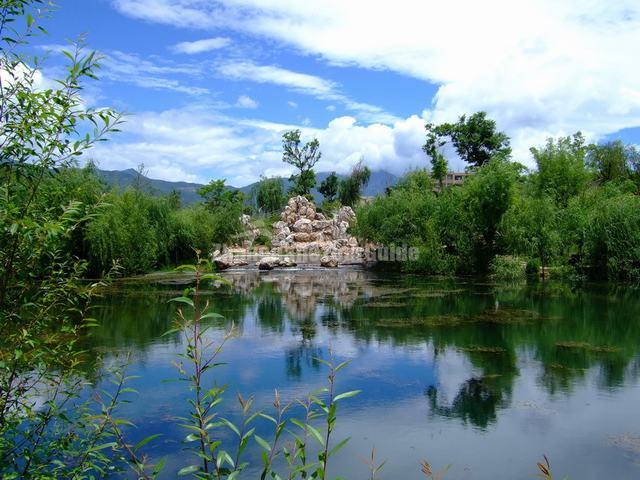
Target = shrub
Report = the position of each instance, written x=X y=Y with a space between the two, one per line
x=133 y=229
x=612 y=243
x=507 y=267
x=533 y=267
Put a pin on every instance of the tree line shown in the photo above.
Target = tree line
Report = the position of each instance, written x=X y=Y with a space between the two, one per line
x=576 y=214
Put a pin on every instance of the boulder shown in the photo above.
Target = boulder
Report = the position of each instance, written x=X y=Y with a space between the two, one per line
x=228 y=260
x=329 y=261
x=268 y=263
x=287 y=262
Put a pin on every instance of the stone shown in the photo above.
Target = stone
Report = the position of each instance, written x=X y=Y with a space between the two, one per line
x=268 y=263
x=302 y=237
x=303 y=225
x=321 y=224
x=329 y=261
x=287 y=262
x=228 y=260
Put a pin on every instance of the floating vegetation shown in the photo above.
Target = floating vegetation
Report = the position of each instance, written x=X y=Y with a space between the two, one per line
x=386 y=305
x=482 y=349
x=499 y=316
x=627 y=441
x=586 y=346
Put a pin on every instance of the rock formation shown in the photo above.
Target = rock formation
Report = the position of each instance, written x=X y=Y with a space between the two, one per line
x=302 y=229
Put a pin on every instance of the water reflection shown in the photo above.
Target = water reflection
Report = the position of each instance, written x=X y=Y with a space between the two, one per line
x=462 y=353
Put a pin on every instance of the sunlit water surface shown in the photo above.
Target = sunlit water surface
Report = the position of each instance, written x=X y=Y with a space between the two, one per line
x=485 y=377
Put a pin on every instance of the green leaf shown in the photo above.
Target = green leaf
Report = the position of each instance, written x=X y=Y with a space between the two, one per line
x=338 y=446
x=350 y=394
x=262 y=442
x=143 y=442
x=185 y=300
x=188 y=470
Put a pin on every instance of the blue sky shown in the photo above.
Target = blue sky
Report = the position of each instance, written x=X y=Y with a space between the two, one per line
x=210 y=86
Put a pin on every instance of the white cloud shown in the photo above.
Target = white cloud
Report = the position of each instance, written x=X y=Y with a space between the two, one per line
x=150 y=72
x=539 y=67
x=200 y=46
x=199 y=143
x=292 y=104
x=302 y=83
x=331 y=108
x=244 y=101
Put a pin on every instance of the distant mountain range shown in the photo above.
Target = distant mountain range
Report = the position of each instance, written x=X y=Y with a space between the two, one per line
x=379 y=181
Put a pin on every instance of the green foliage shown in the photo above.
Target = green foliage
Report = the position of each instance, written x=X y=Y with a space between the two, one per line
x=507 y=267
x=217 y=195
x=475 y=139
x=488 y=195
x=303 y=158
x=454 y=231
x=532 y=227
x=269 y=195
x=614 y=162
x=133 y=230
x=329 y=187
x=562 y=172
x=612 y=240
x=350 y=189
x=192 y=228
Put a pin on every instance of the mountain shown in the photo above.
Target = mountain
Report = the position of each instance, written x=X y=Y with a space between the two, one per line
x=380 y=180
x=126 y=178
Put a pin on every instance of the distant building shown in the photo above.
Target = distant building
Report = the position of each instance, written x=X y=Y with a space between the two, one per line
x=452 y=178
x=455 y=178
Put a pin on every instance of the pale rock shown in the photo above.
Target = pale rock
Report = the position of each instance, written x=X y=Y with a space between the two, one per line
x=303 y=225
x=228 y=260
x=329 y=261
x=268 y=263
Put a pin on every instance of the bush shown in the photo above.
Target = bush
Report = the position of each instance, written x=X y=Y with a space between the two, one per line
x=507 y=267
x=191 y=228
x=133 y=229
x=533 y=267
x=612 y=243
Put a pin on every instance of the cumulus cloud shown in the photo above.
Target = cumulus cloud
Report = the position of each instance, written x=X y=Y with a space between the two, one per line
x=198 y=143
x=200 y=46
x=539 y=67
x=244 y=101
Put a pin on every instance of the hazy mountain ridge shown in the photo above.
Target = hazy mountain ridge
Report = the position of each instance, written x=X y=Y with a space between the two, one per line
x=380 y=180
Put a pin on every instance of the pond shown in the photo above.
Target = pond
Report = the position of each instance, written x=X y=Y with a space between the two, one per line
x=485 y=377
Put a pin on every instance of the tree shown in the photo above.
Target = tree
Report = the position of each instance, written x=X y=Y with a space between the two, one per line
x=329 y=187
x=475 y=139
x=303 y=158
x=439 y=168
x=216 y=194
x=350 y=190
x=611 y=161
x=561 y=168
x=269 y=194
x=488 y=195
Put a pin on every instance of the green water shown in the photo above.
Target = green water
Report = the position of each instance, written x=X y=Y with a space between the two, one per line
x=486 y=377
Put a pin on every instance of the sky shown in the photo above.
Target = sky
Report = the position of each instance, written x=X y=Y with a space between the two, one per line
x=210 y=86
